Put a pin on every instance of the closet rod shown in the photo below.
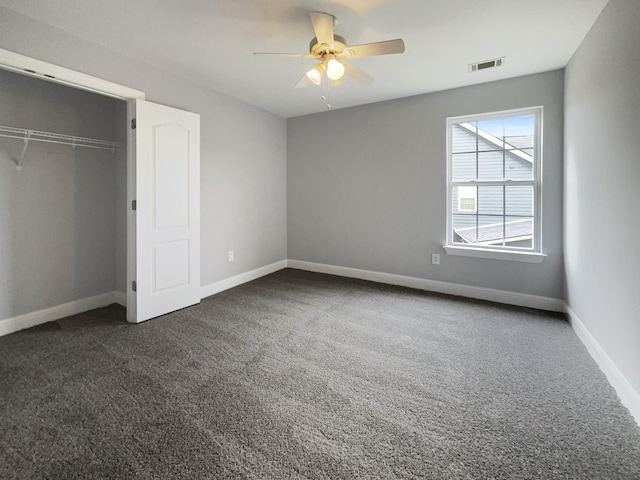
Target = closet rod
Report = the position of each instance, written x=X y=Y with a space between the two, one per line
x=37 y=136
x=28 y=135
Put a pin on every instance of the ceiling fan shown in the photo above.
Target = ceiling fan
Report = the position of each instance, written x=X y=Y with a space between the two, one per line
x=332 y=52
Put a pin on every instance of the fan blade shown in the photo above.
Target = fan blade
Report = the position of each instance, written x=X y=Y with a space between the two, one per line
x=377 y=48
x=297 y=55
x=354 y=72
x=323 y=27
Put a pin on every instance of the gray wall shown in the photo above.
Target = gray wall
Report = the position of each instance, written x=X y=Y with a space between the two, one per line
x=243 y=148
x=57 y=230
x=367 y=186
x=602 y=184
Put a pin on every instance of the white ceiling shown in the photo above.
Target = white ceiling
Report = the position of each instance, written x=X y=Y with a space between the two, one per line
x=212 y=41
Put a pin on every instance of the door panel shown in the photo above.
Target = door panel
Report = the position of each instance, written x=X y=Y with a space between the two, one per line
x=171 y=265
x=168 y=209
x=171 y=178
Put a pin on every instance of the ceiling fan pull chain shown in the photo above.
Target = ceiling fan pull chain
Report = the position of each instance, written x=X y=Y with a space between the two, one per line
x=325 y=97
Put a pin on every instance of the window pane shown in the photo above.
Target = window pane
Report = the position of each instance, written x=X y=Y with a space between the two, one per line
x=519 y=200
x=464 y=228
x=467 y=199
x=519 y=164
x=490 y=166
x=464 y=167
x=490 y=200
x=490 y=133
x=519 y=142
x=463 y=137
x=527 y=151
x=464 y=221
x=520 y=128
x=490 y=230
x=519 y=232
x=464 y=199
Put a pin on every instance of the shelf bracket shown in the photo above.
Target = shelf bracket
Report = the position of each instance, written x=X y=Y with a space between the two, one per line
x=27 y=136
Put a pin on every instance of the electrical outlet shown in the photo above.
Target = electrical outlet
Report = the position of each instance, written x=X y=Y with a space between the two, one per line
x=435 y=258
x=230 y=256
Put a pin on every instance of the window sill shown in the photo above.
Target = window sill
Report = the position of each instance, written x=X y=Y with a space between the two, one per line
x=526 y=257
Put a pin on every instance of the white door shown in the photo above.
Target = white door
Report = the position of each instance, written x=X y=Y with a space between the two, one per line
x=167 y=215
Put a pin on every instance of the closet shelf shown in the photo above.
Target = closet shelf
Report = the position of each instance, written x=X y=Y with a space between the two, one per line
x=37 y=136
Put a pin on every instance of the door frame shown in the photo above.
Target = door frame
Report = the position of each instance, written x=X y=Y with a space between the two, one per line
x=54 y=73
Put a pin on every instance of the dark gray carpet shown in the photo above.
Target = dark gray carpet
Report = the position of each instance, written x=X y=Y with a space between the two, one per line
x=301 y=375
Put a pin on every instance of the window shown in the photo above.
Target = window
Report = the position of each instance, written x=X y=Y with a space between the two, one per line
x=493 y=163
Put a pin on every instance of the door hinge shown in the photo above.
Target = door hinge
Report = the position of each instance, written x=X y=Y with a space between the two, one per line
x=134 y=205
x=134 y=286
x=133 y=124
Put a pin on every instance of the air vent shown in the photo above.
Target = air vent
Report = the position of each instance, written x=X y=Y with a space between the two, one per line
x=496 y=62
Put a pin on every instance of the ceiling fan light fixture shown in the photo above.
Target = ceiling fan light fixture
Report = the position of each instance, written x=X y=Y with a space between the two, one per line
x=333 y=54
x=315 y=74
x=335 y=69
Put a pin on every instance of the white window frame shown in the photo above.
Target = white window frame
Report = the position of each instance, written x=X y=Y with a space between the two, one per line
x=529 y=255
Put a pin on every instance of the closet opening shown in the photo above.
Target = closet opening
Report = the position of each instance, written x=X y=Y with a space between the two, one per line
x=99 y=197
x=63 y=197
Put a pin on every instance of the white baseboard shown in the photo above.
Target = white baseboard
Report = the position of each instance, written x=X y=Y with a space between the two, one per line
x=480 y=293
x=227 y=283
x=628 y=396
x=10 y=325
x=20 y=322
x=120 y=298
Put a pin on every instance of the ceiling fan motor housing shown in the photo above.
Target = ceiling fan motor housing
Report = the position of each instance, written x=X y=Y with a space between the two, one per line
x=338 y=46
